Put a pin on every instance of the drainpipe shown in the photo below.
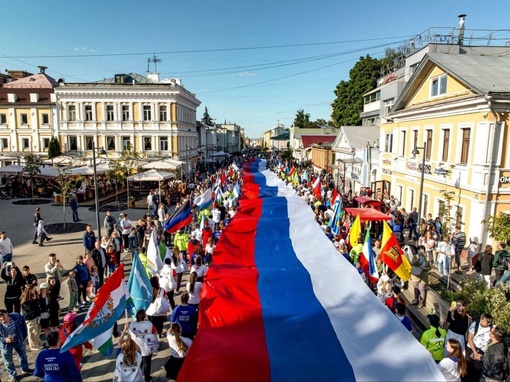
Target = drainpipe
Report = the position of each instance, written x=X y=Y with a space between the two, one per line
x=492 y=134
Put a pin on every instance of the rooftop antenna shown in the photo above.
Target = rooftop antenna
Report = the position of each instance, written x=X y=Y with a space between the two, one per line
x=155 y=61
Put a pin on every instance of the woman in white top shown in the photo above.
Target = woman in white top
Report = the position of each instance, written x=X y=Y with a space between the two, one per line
x=444 y=252
x=139 y=330
x=194 y=287
x=178 y=267
x=454 y=365
x=128 y=366
x=429 y=243
x=199 y=268
x=167 y=281
x=179 y=347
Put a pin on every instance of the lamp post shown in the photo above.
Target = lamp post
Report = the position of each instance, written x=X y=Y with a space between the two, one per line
x=96 y=191
x=416 y=152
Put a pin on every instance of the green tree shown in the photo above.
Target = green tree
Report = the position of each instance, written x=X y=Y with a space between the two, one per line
x=32 y=168
x=206 y=118
x=64 y=182
x=302 y=120
x=498 y=227
x=54 y=149
x=348 y=104
x=122 y=168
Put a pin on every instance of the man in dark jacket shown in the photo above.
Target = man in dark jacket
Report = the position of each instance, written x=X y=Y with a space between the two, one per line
x=89 y=239
x=73 y=203
x=13 y=332
x=99 y=256
x=37 y=217
x=495 y=359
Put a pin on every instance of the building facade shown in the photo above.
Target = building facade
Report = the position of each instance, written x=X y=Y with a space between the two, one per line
x=453 y=113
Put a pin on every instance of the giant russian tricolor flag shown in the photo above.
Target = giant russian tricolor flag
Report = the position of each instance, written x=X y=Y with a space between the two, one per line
x=280 y=304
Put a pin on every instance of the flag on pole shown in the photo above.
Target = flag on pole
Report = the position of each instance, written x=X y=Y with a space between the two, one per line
x=338 y=213
x=304 y=176
x=154 y=262
x=180 y=219
x=139 y=287
x=393 y=256
x=317 y=188
x=235 y=167
x=202 y=222
x=236 y=191
x=367 y=260
x=108 y=306
x=334 y=196
x=355 y=231
x=204 y=200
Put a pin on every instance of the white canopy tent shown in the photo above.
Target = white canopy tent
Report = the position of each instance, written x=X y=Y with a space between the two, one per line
x=11 y=169
x=149 y=176
x=164 y=164
x=89 y=170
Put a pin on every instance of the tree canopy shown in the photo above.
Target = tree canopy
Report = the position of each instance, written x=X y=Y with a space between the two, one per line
x=348 y=104
x=206 y=118
x=302 y=121
x=54 y=149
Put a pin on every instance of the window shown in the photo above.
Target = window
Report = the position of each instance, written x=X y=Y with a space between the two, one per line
x=3 y=119
x=466 y=134
x=5 y=143
x=88 y=112
x=415 y=139
x=45 y=118
x=388 y=143
x=125 y=113
x=25 y=143
x=147 y=143
x=109 y=113
x=411 y=199
x=428 y=152
x=162 y=113
x=438 y=86
x=425 y=205
x=45 y=143
x=89 y=143
x=446 y=144
x=163 y=144
x=147 y=112
x=24 y=118
x=373 y=97
x=73 y=142
x=110 y=143
x=403 y=153
x=126 y=143
x=71 y=111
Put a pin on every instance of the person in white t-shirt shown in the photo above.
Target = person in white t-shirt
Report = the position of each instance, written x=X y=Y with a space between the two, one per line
x=478 y=338
x=453 y=367
x=194 y=287
x=179 y=347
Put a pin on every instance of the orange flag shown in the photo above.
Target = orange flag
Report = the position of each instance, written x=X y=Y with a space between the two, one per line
x=392 y=255
x=355 y=231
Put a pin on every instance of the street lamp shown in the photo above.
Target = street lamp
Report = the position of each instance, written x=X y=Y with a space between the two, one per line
x=96 y=191
x=416 y=152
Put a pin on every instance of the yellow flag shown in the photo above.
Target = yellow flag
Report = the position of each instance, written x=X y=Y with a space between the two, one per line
x=355 y=231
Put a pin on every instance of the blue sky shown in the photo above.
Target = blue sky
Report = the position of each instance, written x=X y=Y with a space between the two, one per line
x=252 y=62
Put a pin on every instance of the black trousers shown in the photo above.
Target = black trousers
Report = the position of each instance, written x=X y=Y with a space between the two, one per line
x=146 y=367
x=158 y=322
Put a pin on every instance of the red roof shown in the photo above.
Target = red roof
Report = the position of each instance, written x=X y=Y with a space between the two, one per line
x=309 y=140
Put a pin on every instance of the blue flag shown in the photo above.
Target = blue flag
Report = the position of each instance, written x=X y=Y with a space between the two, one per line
x=338 y=213
x=139 y=287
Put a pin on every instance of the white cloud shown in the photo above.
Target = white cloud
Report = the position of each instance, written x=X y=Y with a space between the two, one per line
x=247 y=74
x=84 y=49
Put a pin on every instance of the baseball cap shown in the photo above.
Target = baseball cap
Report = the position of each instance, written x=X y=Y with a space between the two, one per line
x=69 y=317
x=43 y=286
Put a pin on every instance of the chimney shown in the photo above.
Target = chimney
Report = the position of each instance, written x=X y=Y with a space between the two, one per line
x=42 y=69
x=461 y=29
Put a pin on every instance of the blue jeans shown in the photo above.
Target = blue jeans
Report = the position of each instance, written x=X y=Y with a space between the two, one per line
x=75 y=215
x=443 y=265
x=7 y=258
x=7 y=357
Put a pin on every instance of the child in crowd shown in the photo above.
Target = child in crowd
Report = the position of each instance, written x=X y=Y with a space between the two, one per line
x=73 y=292
x=111 y=260
x=94 y=280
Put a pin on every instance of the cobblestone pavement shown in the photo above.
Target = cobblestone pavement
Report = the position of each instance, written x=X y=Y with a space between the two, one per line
x=17 y=220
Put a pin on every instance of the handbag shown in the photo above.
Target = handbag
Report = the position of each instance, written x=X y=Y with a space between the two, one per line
x=160 y=306
x=44 y=315
x=416 y=271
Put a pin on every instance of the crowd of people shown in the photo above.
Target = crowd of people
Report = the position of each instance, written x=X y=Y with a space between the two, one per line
x=463 y=351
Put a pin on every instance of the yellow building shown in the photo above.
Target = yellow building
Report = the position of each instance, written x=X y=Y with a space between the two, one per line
x=27 y=115
x=455 y=111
